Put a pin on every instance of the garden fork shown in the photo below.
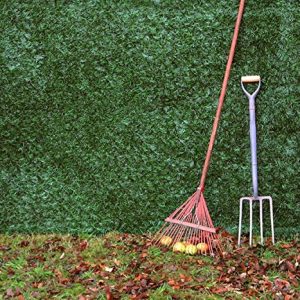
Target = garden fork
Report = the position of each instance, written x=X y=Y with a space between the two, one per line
x=255 y=197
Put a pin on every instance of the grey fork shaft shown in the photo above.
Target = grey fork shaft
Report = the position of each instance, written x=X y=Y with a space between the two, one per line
x=253 y=138
x=253 y=145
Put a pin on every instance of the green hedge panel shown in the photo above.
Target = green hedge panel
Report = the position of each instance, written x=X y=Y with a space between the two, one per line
x=107 y=108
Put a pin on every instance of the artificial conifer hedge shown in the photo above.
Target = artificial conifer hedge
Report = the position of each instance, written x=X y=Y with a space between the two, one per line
x=107 y=107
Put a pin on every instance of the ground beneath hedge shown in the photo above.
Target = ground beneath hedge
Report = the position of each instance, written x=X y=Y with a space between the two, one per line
x=125 y=266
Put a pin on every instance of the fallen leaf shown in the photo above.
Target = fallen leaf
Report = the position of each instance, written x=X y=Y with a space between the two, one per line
x=281 y=284
x=24 y=243
x=10 y=292
x=35 y=294
x=108 y=269
x=64 y=281
x=83 y=245
x=108 y=293
x=220 y=290
x=290 y=266
x=171 y=282
x=40 y=285
x=94 y=289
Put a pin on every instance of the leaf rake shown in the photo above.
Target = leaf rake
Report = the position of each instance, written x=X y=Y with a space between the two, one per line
x=191 y=222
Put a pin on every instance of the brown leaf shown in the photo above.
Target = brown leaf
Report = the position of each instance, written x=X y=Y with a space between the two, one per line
x=21 y=297
x=81 y=268
x=291 y=267
x=24 y=243
x=220 y=290
x=81 y=297
x=94 y=289
x=252 y=292
x=250 y=272
x=138 y=277
x=171 y=282
x=64 y=281
x=83 y=245
x=10 y=292
x=200 y=262
x=243 y=267
x=184 y=278
x=4 y=248
x=286 y=246
x=176 y=287
x=35 y=294
x=117 y=262
x=144 y=282
x=40 y=285
x=281 y=284
x=108 y=293
x=225 y=234
x=10 y=271
x=285 y=265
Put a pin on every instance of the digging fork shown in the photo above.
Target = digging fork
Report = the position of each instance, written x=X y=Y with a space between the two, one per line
x=255 y=197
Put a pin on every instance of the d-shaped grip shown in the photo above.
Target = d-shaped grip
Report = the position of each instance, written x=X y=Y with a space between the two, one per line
x=251 y=79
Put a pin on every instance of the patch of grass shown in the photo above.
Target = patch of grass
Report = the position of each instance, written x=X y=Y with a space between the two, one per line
x=164 y=292
x=16 y=264
x=39 y=273
x=72 y=292
x=96 y=250
x=154 y=252
x=267 y=254
x=87 y=275
x=273 y=274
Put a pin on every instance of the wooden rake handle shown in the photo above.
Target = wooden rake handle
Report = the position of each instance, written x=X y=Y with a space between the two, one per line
x=222 y=94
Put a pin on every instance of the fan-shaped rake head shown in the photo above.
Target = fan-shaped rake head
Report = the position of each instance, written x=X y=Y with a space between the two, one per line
x=191 y=224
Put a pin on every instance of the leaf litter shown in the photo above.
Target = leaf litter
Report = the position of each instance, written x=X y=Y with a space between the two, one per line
x=126 y=265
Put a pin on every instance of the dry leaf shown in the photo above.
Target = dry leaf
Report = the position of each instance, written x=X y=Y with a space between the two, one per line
x=108 y=269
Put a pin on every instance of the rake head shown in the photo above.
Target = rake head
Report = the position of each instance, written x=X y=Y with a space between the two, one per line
x=192 y=224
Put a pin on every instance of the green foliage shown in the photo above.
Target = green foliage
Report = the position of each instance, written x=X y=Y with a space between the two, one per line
x=107 y=106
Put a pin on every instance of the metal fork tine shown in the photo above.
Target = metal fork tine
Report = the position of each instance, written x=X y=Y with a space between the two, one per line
x=261 y=202
x=261 y=221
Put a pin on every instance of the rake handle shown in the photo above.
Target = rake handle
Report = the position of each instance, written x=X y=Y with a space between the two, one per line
x=222 y=95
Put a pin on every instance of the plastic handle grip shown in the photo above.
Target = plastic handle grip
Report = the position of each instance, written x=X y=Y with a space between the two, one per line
x=249 y=79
